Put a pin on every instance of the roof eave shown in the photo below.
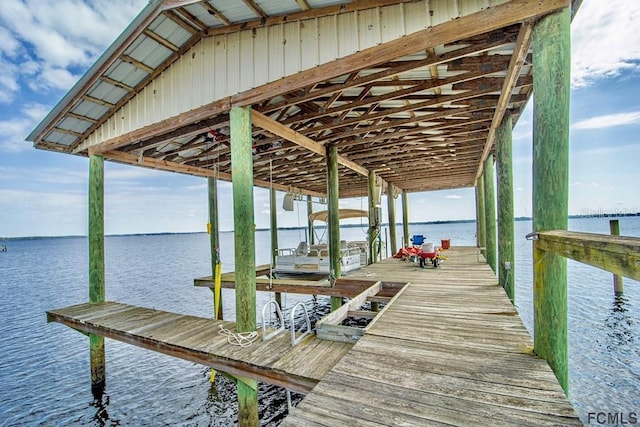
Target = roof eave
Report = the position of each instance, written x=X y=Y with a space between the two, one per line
x=152 y=7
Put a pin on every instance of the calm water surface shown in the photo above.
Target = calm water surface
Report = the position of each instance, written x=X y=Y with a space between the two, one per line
x=44 y=368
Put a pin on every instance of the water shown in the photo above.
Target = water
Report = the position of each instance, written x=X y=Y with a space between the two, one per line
x=44 y=368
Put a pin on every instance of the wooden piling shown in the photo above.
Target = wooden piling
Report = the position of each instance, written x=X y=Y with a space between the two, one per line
x=504 y=166
x=391 y=207
x=274 y=235
x=374 y=224
x=480 y=219
x=490 y=212
x=214 y=240
x=244 y=243
x=551 y=81
x=618 y=284
x=333 y=223
x=312 y=238
x=96 y=266
x=405 y=219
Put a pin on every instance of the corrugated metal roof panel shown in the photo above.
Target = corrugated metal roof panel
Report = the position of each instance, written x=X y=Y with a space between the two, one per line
x=90 y=109
x=74 y=125
x=278 y=7
x=148 y=51
x=126 y=73
x=170 y=31
x=234 y=11
x=60 y=138
x=107 y=92
x=203 y=15
x=322 y=3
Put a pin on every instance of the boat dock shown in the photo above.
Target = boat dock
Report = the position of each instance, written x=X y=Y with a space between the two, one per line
x=197 y=339
x=448 y=348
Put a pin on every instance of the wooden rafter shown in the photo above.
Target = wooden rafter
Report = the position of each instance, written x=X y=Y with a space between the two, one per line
x=517 y=62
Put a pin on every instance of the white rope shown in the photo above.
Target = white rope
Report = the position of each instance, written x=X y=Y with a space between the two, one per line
x=241 y=339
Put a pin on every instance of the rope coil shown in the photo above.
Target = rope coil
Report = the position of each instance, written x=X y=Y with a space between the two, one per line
x=241 y=339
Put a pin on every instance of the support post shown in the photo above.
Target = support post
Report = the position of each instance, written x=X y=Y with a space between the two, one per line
x=405 y=219
x=312 y=238
x=214 y=241
x=551 y=82
x=490 y=212
x=480 y=220
x=274 y=236
x=618 y=284
x=333 y=223
x=244 y=243
x=96 y=267
x=374 y=224
x=506 y=250
x=391 y=207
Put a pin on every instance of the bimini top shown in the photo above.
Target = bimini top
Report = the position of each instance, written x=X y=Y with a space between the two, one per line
x=344 y=214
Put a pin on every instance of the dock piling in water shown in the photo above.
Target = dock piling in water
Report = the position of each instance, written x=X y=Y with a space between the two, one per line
x=618 y=283
x=96 y=267
x=490 y=212
x=506 y=247
x=551 y=81
x=244 y=243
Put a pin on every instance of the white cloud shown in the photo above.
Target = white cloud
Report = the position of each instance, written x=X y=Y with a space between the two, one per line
x=605 y=40
x=14 y=130
x=609 y=120
x=453 y=196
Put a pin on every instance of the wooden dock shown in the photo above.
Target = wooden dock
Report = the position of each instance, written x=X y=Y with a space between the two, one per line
x=197 y=339
x=449 y=350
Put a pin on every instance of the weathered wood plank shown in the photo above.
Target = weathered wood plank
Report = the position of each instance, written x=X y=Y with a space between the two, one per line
x=616 y=254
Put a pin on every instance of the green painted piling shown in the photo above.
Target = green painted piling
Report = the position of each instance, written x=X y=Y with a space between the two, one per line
x=244 y=243
x=274 y=236
x=391 y=207
x=490 y=212
x=312 y=239
x=405 y=218
x=333 y=223
x=96 y=266
x=374 y=224
x=480 y=219
x=551 y=82
x=506 y=236
x=214 y=237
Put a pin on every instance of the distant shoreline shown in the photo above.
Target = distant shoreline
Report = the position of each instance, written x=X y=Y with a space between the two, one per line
x=459 y=221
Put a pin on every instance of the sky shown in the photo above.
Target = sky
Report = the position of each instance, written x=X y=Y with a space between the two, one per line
x=45 y=47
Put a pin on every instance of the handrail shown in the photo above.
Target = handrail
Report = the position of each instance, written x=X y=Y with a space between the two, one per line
x=272 y=334
x=616 y=254
x=294 y=340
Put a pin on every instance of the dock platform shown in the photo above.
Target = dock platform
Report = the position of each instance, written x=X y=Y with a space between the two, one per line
x=197 y=339
x=449 y=350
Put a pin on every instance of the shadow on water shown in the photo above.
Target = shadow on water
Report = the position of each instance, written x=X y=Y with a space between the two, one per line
x=619 y=325
x=101 y=403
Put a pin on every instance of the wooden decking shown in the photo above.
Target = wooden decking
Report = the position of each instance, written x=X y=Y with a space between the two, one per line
x=450 y=350
x=196 y=339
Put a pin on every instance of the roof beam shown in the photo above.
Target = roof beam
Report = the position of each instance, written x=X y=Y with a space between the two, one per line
x=291 y=135
x=131 y=159
x=517 y=62
x=255 y=8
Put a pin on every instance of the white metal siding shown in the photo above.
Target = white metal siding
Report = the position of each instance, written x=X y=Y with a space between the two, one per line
x=224 y=65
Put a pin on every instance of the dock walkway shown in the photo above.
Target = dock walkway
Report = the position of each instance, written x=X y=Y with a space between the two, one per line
x=197 y=339
x=449 y=350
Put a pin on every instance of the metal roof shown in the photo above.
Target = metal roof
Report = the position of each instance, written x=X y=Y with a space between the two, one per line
x=421 y=120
